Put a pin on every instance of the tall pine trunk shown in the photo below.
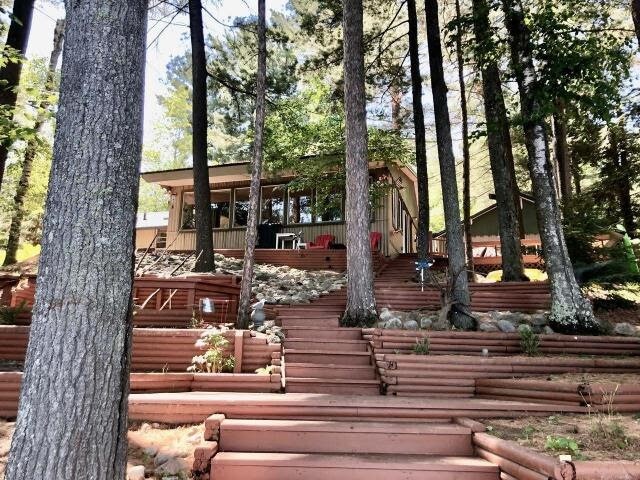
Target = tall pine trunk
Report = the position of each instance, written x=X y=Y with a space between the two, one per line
x=256 y=173
x=500 y=148
x=17 y=39
x=635 y=12
x=561 y=150
x=13 y=241
x=361 y=305
x=466 y=155
x=72 y=418
x=419 y=129
x=199 y=125
x=459 y=287
x=619 y=158
x=570 y=311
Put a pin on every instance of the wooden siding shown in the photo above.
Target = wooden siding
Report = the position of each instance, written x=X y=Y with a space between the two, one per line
x=145 y=236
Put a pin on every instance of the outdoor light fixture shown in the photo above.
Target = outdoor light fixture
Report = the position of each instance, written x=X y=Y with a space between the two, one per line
x=206 y=305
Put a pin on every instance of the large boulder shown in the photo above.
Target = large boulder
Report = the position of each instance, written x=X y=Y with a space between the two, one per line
x=506 y=326
x=411 y=325
x=393 y=324
x=625 y=329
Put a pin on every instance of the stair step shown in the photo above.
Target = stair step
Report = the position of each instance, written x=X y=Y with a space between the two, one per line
x=316 y=332
x=299 y=436
x=326 y=344
x=286 y=322
x=324 y=357
x=313 y=370
x=336 y=386
x=286 y=466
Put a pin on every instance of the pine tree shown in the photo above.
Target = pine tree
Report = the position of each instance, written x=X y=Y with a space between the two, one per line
x=72 y=417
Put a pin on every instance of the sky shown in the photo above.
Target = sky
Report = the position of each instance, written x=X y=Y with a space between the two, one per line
x=164 y=40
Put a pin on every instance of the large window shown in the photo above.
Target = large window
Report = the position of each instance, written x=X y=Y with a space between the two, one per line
x=220 y=209
x=273 y=204
x=301 y=207
x=241 y=207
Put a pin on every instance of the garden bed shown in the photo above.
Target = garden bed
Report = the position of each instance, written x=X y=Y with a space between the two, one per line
x=584 y=437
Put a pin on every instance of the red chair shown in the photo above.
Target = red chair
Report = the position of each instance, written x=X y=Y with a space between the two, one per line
x=322 y=242
x=375 y=238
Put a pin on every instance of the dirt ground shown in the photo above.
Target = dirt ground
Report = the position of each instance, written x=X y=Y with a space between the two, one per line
x=585 y=437
x=585 y=378
x=165 y=451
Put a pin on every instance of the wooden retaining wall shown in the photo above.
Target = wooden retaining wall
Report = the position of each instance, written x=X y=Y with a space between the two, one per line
x=456 y=375
x=472 y=343
x=160 y=382
x=169 y=350
x=514 y=296
x=599 y=396
x=520 y=463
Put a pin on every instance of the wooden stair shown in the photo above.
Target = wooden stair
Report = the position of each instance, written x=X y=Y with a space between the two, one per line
x=259 y=449
x=321 y=357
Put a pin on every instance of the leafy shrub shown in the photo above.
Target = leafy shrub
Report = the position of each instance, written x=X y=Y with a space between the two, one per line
x=529 y=341
x=422 y=346
x=9 y=315
x=563 y=445
x=215 y=359
x=266 y=370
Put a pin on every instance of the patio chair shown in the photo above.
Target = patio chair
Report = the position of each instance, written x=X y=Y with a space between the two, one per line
x=375 y=238
x=322 y=242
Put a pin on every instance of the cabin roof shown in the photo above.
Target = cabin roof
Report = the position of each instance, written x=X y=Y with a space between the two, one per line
x=152 y=219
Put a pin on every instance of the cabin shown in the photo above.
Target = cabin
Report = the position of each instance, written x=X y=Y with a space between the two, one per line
x=288 y=218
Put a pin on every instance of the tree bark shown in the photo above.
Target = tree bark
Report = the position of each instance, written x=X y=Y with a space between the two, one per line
x=361 y=305
x=455 y=236
x=72 y=418
x=561 y=150
x=199 y=125
x=420 y=138
x=500 y=148
x=396 y=94
x=256 y=174
x=570 y=311
x=619 y=157
x=635 y=12
x=13 y=241
x=466 y=155
x=17 y=39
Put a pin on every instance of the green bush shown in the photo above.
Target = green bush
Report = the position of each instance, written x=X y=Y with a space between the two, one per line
x=529 y=341
x=422 y=346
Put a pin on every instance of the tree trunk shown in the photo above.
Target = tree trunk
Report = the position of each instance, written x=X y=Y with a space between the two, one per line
x=13 y=241
x=455 y=236
x=256 y=174
x=361 y=305
x=419 y=129
x=620 y=162
x=500 y=148
x=199 y=125
x=635 y=11
x=17 y=39
x=396 y=94
x=570 y=311
x=561 y=150
x=72 y=419
x=466 y=155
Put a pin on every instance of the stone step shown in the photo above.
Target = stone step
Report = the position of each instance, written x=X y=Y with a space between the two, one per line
x=296 y=466
x=325 y=322
x=324 y=357
x=333 y=386
x=303 y=331
x=300 y=436
x=326 y=344
x=313 y=370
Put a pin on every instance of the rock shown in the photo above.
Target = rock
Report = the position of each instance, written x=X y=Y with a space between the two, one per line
x=411 y=325
x=162 y=457
x=625 y=329
x=173 y=466
x=548 y=330
x=426 y=322
x=385 y=315
x=151 y=450
x=488 y=327
x=462 y=321
x=506 y=326
x=135 y=473
x=393 y=323
x=145 y=427
x=513 y=317
x=195 y=439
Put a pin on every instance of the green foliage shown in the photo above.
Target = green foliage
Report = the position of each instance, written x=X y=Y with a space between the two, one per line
x=216 y=358
x=563 y=445
x=611 y=433
x=529 y=341
x=422 y=346
x=266 y=370
x=10 y=315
